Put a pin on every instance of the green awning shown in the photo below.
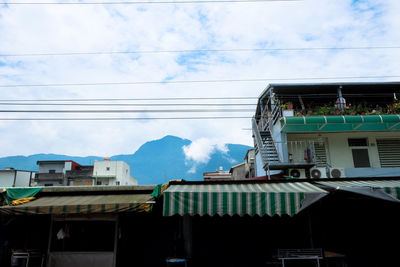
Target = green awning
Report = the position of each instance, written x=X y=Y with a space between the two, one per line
x=82 y=204
x=382 y=189
x=240 y=199
x=15 y=193
x=341 y=123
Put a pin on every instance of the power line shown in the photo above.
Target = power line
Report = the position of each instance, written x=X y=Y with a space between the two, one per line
x=146 y=2
x=200 y=51
x=198 y=81
x=125 y=104
x=128 y=111
x=134 y=99
x=119 y=118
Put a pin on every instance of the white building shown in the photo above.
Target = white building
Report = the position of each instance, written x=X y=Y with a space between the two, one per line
x=15 y=178
x=109 y=172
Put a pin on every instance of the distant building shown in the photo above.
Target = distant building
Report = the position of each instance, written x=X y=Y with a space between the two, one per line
x=53 y=172
x=11 y=177
x=245 y=169
x=238 y=171
x=82 y=175
x=218 y=175
x=70 y=173
x=109 y=172
x=249 y=164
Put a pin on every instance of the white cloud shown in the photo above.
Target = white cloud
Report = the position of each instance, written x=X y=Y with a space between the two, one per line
x=199 y=150
x=52 y=29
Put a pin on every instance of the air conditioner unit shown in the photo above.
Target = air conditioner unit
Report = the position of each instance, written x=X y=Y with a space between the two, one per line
x=318 y=173
x=297 y=173
x=337 y=173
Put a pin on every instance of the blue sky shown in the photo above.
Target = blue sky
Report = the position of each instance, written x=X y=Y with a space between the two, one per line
x=57 y=29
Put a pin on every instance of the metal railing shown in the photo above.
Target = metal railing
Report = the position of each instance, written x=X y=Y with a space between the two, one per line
x=301 y=151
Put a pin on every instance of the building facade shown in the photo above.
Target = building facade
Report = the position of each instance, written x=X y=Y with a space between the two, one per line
x=11 y=177
x=328 y=130
x=70 y=173
x=109 y=172
x=53 y=172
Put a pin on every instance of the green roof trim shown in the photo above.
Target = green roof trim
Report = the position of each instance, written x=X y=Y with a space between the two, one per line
x=341 y=123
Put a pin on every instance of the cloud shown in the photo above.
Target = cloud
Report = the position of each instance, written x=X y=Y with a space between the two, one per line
x=59 y=28
x=200 y=150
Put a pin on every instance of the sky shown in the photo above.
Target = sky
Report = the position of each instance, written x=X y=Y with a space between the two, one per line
x=44 y=29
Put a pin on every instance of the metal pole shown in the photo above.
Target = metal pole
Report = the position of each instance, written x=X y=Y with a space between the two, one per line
x=49 y=243
x=310 y=229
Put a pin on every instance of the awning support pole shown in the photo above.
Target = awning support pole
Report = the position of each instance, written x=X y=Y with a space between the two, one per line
x=116 y=241
x=49 y=242
x=310 y=229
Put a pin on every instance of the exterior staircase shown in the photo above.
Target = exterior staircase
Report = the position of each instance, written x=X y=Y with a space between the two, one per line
x=264 y=143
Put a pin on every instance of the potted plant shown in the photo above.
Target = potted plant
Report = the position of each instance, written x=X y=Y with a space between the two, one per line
x=289 y=105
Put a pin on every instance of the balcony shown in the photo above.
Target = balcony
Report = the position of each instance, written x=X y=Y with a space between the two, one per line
x=49 y=176
x=300 y=154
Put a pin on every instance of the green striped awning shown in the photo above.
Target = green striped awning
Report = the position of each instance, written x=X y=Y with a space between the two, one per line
x=82 y=204
x=384 y=189
x=240 y=199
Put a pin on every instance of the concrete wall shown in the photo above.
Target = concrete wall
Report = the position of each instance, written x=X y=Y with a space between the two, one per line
x=239 y=172
x=259 y=168
x=7 y=178
x=58 y=167
x=114 y=171
x=339 y=154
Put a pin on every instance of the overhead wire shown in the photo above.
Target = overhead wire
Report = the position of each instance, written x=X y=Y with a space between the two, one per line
x=127 y=111
x=200 y=51
x=147 y=2
x=125 y=104
x=197 y=81
x=133 y=99
x=121 y=118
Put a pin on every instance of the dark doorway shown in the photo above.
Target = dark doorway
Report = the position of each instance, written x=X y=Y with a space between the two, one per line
x=361 y=158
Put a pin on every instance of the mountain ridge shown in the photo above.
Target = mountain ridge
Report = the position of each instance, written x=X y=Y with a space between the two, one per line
x=154 y=162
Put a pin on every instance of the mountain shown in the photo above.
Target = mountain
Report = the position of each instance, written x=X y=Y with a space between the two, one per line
x=154 y=162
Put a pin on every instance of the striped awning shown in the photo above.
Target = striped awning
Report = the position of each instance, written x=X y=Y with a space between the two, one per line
x=383 y=189
x=82 y=204
x=240 y=199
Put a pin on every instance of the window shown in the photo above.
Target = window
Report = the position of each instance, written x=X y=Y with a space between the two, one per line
x=358 y=142
x=48 y=184
x=107 y=168
x=361 y=158
x=117 y=182
x=98 y=183
x=52 y=171
x=360 y=155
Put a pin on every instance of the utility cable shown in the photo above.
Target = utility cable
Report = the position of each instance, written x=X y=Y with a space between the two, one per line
x=128 y=111
x=197 y=81
x=201 y=51
x=125 y=104
x=146 y=2
x=119 y=118
x=132 y=99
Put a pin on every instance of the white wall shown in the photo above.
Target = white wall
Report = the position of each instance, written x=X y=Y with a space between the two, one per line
x=58 y=167
x=7 y=178
x=339 y=154
x=114 y=171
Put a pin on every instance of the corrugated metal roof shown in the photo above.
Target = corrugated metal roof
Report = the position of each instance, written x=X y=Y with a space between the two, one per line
x=370 y=187
x=82 y=204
